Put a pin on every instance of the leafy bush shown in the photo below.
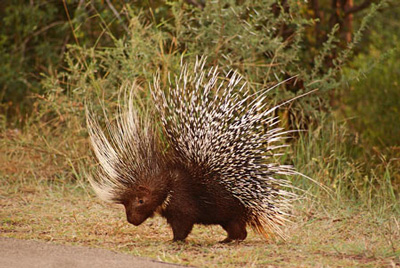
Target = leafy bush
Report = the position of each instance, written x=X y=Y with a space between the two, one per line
x=263 y=40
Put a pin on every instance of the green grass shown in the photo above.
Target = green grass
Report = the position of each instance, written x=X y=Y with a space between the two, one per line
x=331 y=156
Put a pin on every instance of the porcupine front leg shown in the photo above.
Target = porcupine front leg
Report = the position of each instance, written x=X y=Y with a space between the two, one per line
x=236 y=231
x=181 y=228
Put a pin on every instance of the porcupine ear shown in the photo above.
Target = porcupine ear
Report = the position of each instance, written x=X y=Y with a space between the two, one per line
x=127 y=150
x=143 y=190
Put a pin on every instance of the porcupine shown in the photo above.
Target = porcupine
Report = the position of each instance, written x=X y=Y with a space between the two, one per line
x=219 y=167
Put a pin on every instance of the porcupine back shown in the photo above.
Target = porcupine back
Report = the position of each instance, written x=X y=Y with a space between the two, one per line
x=228 y=137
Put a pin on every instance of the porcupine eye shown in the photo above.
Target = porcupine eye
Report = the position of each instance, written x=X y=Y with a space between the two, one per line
x=141 y=201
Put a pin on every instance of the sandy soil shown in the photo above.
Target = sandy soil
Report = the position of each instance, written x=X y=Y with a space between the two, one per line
x=16 y=253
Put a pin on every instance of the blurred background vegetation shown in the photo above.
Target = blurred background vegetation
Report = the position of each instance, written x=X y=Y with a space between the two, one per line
x=55 y=55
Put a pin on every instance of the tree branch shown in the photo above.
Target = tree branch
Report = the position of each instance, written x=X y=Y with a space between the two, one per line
x=360 y=7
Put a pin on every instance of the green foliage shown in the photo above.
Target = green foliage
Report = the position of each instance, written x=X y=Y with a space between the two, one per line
x=33 y=39
x=263 y=40
x=26 y=48
x=373 y=102
x=372 y=97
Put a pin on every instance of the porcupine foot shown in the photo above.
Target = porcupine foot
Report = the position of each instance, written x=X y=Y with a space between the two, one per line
x=236 y=231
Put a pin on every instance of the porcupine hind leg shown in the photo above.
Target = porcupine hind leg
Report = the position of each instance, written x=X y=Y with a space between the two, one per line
x=236 y=231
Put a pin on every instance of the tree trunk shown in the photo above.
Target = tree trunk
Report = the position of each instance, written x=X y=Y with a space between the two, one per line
x=348 y=21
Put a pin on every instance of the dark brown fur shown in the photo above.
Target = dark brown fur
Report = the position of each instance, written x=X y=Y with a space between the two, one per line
x=184 y=200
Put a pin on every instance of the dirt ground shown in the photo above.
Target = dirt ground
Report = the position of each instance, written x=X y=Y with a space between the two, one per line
x=27 y=253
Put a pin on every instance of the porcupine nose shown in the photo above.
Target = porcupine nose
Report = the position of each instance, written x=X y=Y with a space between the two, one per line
x=133 y=220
